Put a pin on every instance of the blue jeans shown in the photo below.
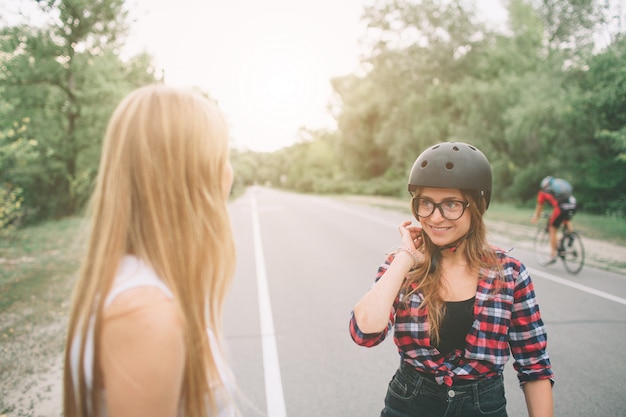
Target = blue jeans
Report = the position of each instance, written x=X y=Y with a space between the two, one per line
x=411 y=394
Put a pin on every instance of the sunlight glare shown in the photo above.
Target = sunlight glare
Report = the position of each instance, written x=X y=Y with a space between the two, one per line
x=278 y=84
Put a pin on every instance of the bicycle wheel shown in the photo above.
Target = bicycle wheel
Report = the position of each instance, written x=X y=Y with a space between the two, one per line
x=542 y=246
x=572 y=253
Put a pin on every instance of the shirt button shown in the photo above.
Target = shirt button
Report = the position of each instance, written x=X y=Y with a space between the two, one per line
x=451 y=393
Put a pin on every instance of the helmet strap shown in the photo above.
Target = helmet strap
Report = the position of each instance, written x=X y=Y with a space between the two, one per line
x=452 y=246
x=455 y=245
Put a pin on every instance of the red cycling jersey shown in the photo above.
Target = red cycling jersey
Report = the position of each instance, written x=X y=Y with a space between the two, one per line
x=544 y=196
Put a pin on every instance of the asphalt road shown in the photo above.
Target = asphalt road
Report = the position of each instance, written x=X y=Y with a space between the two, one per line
x=303 y=262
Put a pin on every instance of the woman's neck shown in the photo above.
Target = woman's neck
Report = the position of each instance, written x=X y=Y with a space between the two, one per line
x=458 y=278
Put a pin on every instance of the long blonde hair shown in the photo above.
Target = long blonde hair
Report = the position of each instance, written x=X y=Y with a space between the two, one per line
x=159 y=196
x=427 y=279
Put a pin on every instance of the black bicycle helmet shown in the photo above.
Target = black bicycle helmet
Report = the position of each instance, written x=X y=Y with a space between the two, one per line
x=453 y=165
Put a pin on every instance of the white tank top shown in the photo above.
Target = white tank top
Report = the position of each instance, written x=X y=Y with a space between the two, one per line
x=133 y=273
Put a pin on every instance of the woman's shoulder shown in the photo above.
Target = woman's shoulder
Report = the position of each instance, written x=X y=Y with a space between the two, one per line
x=140 y=306
x=504 y=256
x=144 y=314
x=508 y=267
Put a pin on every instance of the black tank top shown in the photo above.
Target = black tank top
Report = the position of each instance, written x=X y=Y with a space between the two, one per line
x=455 y=325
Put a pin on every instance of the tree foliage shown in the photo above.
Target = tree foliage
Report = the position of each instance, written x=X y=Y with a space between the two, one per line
x=66 y=76
x=16 y=154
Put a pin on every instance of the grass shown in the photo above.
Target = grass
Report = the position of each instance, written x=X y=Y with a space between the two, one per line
x=36 y=260
x=610 y=229
x=37 y=267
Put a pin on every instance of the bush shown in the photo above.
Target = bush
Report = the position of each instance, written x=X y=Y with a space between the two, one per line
x=11 y=209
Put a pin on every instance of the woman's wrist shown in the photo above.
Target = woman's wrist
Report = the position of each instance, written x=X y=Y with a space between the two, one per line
x=416 y=260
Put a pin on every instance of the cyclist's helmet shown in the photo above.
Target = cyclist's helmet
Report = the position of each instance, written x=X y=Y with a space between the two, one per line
x=546 y=182
x=453 y=165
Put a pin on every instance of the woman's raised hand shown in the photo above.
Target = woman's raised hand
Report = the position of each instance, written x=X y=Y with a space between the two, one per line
x=411 y=240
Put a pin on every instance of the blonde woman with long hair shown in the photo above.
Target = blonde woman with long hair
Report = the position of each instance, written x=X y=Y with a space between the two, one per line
x=144 y=332
x=458 y=305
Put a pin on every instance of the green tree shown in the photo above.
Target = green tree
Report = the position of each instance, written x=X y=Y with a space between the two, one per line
x=17 y=152
x=364 y=107
x=311 y=165
x=600 y=127
x=66 y=76
x=403 y=102
x=547 y=130
x=570 y=25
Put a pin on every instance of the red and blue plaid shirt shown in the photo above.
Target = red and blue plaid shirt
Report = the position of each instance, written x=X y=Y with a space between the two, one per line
x=506 y=316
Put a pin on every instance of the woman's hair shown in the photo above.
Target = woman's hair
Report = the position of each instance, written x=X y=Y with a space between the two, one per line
x=427 y=279
x=159 y=195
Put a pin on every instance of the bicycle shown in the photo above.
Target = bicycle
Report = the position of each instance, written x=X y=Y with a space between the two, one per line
x=570 y=247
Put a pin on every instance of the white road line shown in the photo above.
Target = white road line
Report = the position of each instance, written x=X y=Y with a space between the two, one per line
x=577 y=286
x=273 y=382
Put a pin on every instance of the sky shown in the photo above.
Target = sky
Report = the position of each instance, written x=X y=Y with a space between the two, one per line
x=268 y=63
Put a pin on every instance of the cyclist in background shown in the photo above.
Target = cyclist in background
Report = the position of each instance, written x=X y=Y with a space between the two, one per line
x=558 y=193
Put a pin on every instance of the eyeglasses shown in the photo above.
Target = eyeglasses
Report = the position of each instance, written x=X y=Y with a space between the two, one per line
x=449 y=209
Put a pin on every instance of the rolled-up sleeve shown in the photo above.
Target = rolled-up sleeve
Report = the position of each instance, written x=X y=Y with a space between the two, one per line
x=527 y=334
x=372 y=339
x=367 y=339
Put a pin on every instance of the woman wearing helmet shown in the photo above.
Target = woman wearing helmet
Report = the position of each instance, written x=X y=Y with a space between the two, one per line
x=457 y=304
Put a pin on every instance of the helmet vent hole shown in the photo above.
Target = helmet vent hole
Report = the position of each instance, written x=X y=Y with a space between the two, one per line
x=455 y=148
x=449 y=165
x=424 y=163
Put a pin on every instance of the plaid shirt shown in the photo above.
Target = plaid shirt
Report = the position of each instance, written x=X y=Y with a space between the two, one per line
x=506 y=317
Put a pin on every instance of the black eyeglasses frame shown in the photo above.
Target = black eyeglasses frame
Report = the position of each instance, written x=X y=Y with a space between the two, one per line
x=415 y=205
